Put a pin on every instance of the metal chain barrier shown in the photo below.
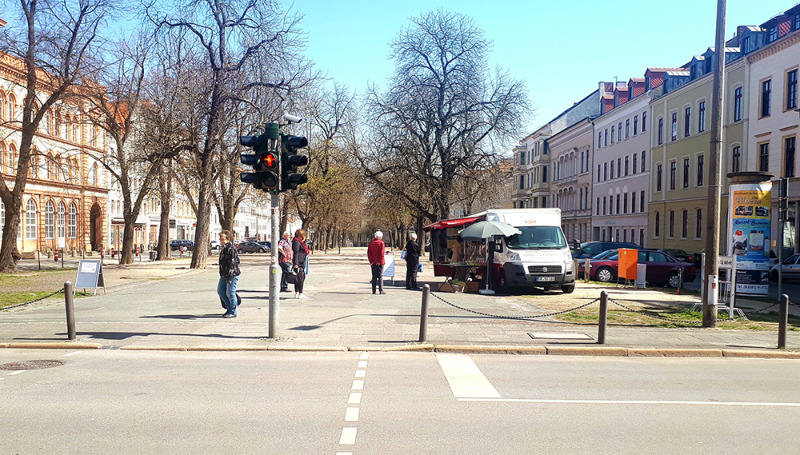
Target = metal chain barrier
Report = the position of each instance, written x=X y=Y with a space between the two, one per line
x=34 y=301
x=515 y=317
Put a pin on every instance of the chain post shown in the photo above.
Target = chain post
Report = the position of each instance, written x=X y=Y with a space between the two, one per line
x=783 y=322
x=68 y=300
x=423 y=315
x=601 y=326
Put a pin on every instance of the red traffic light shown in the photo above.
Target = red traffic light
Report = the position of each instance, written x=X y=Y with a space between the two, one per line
x=270 y=160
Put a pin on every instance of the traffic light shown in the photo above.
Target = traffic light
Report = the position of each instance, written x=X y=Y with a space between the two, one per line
x=265 y=161
x=291 y=160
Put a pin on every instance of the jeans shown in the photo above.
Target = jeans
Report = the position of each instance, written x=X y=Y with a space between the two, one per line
x=377 y=277
x=286 y=268
x=227 y=293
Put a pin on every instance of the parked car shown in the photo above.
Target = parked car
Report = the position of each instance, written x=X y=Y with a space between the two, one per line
x=175 y=245
x=662 y=269
x=214 y=245
x=590 y=249
x=790 y=269
x=251 y=247
x=265 y=244
x=678 y=254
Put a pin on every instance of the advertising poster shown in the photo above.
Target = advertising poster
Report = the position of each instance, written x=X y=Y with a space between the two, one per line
x=749 y=242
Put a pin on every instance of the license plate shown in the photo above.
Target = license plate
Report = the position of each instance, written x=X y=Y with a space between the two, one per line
x=545 y=278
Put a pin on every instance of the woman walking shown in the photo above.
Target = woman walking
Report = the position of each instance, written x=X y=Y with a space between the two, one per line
x=376 y=253
x=299 y=253
x=412 y=261
x=228 y=274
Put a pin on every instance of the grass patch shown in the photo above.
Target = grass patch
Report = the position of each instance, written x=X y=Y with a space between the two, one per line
x=15 y=298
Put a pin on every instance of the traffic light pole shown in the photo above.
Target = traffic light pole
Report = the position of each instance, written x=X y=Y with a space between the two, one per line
x=274 y=268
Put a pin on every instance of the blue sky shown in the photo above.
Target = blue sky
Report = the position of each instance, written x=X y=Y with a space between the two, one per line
x=562 y=49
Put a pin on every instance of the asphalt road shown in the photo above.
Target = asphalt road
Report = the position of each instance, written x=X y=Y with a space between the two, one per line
x=394 y=403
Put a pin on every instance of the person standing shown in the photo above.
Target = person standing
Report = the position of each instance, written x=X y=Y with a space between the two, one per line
x=285 y=260
x=299 y=255
x=228 y=274
x=412 y=261
x=376 y=252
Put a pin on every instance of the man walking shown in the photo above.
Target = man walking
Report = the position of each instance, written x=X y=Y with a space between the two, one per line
x=375 y=254
x=228 y=274
x=412 y=261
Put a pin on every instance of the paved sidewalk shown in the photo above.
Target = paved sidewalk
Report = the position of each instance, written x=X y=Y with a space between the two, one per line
x=167 y=306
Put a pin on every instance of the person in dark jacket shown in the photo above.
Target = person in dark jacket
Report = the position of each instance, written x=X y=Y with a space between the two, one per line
x=299 y=255
x=376 y=252
x=228 y=274
x=412 y=261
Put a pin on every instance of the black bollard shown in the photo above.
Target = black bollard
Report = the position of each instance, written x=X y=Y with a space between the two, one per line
x=601 y=325
x=423 y=315
x=783 y=321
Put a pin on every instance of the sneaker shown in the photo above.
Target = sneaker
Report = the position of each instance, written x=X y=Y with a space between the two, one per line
x=383 y=293
x=229 y=315
x=285 y=290
x=303 y=296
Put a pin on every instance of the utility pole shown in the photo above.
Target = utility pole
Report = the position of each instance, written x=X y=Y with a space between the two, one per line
x=715 y=171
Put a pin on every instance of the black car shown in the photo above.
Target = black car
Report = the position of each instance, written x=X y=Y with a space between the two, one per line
x=251 y=247
x=175 y=245
x=590 y=249
x=678 y=254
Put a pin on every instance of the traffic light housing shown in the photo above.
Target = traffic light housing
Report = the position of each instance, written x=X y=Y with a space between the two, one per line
x=291 y=161
x=265 y=161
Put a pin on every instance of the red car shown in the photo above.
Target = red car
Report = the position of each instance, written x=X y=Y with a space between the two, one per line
x=662 y=269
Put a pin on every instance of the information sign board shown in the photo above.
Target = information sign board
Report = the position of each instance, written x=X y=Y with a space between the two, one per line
x=90 y=275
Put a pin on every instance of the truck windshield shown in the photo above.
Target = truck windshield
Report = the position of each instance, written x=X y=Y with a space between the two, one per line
x=537 y=237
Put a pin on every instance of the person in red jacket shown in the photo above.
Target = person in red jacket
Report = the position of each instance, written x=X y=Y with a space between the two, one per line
x=375 y=254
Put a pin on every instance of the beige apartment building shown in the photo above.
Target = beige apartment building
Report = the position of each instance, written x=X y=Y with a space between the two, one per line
x=571 y=185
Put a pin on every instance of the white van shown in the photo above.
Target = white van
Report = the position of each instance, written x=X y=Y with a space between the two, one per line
x=539 y=256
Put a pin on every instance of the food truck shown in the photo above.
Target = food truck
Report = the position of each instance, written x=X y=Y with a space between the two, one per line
x=537 y=257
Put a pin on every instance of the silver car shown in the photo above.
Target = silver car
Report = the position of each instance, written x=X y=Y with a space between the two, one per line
x=790 y=268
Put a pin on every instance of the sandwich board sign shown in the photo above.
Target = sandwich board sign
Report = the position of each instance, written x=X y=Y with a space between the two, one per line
x=388 y=267
x=90 y=275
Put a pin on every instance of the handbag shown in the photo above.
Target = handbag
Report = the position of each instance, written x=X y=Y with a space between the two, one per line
x=403 y=254
x=419 y=267
x=291 y=277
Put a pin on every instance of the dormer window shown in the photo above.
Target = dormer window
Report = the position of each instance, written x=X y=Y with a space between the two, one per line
x=773 y=34
x=746 y=44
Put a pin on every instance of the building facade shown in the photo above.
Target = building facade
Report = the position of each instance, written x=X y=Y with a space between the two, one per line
x=571 y=185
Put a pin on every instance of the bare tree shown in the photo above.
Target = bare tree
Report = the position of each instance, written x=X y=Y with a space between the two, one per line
x=445 y=115
x=55 y=45
x=232 y=39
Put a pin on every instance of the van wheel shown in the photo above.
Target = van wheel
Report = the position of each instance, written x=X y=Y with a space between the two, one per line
x=568 y=288
x=605 y=274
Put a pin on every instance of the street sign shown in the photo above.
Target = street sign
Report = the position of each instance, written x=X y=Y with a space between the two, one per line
x=90 y=275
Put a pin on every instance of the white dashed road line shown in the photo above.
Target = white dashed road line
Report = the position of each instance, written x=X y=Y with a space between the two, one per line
x=465 y=378
x=352 y=413
x=72 y=353
x=14 y=373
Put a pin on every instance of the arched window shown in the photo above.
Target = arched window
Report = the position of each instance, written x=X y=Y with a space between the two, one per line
x=2 y=106
x=93 y=175
x=50 y=164
x=2 y=157
x=31 y=220
x=49 y=220
x=57 y=126
x=62 y=220
x=11 y=112
x=73 y=221
x=67 y=128
x=12 y=159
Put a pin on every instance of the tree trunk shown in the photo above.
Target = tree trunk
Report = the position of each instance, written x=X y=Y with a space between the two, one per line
x=200 y=252
x=126 y=256
x=165 y=190
x=9 y=255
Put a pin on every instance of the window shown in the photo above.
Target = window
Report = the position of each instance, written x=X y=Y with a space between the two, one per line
x=626 y=166
x=612 y=134
x=700 y=169
x=701 y=117
x=736 y=160
x=62 y=220
x=73 y=221
x=605 y=171
x=599 y=140
x=684 y=224
x=619 y=131
x=746 y=44
x=605 y=206
x=49 y=221
x=544 y=174
x=624 y=203
x=791 y=89
x=31 y=220
x=633 y=202
x=674 y=135
x=605 y=138
x=796 y=24
x=521 y=182
x=644 y=121
x=698 y=224
x=597 y=207
x=635 y=125
x=612 y=169
x=618 y=212
x=737 y=104
x=93 y=175
x=686 y=172
x=619 y=167
x=766 y=91
x=644 y=153
x=660 y=131
x=657 y=225
x=687 y=122
x=522 y=158
x=673 y=174
x=763 y=157
x=634 y=162
x=671 y=223
x=641 y=201
x=627 y=128
x=659 y=172
x=788 y=156
x=598 y=173
x=772 y=34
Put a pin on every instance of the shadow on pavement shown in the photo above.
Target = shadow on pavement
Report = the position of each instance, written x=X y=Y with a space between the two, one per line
x=184 y=316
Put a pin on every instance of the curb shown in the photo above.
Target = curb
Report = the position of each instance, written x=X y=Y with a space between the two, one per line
x=586 y=351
